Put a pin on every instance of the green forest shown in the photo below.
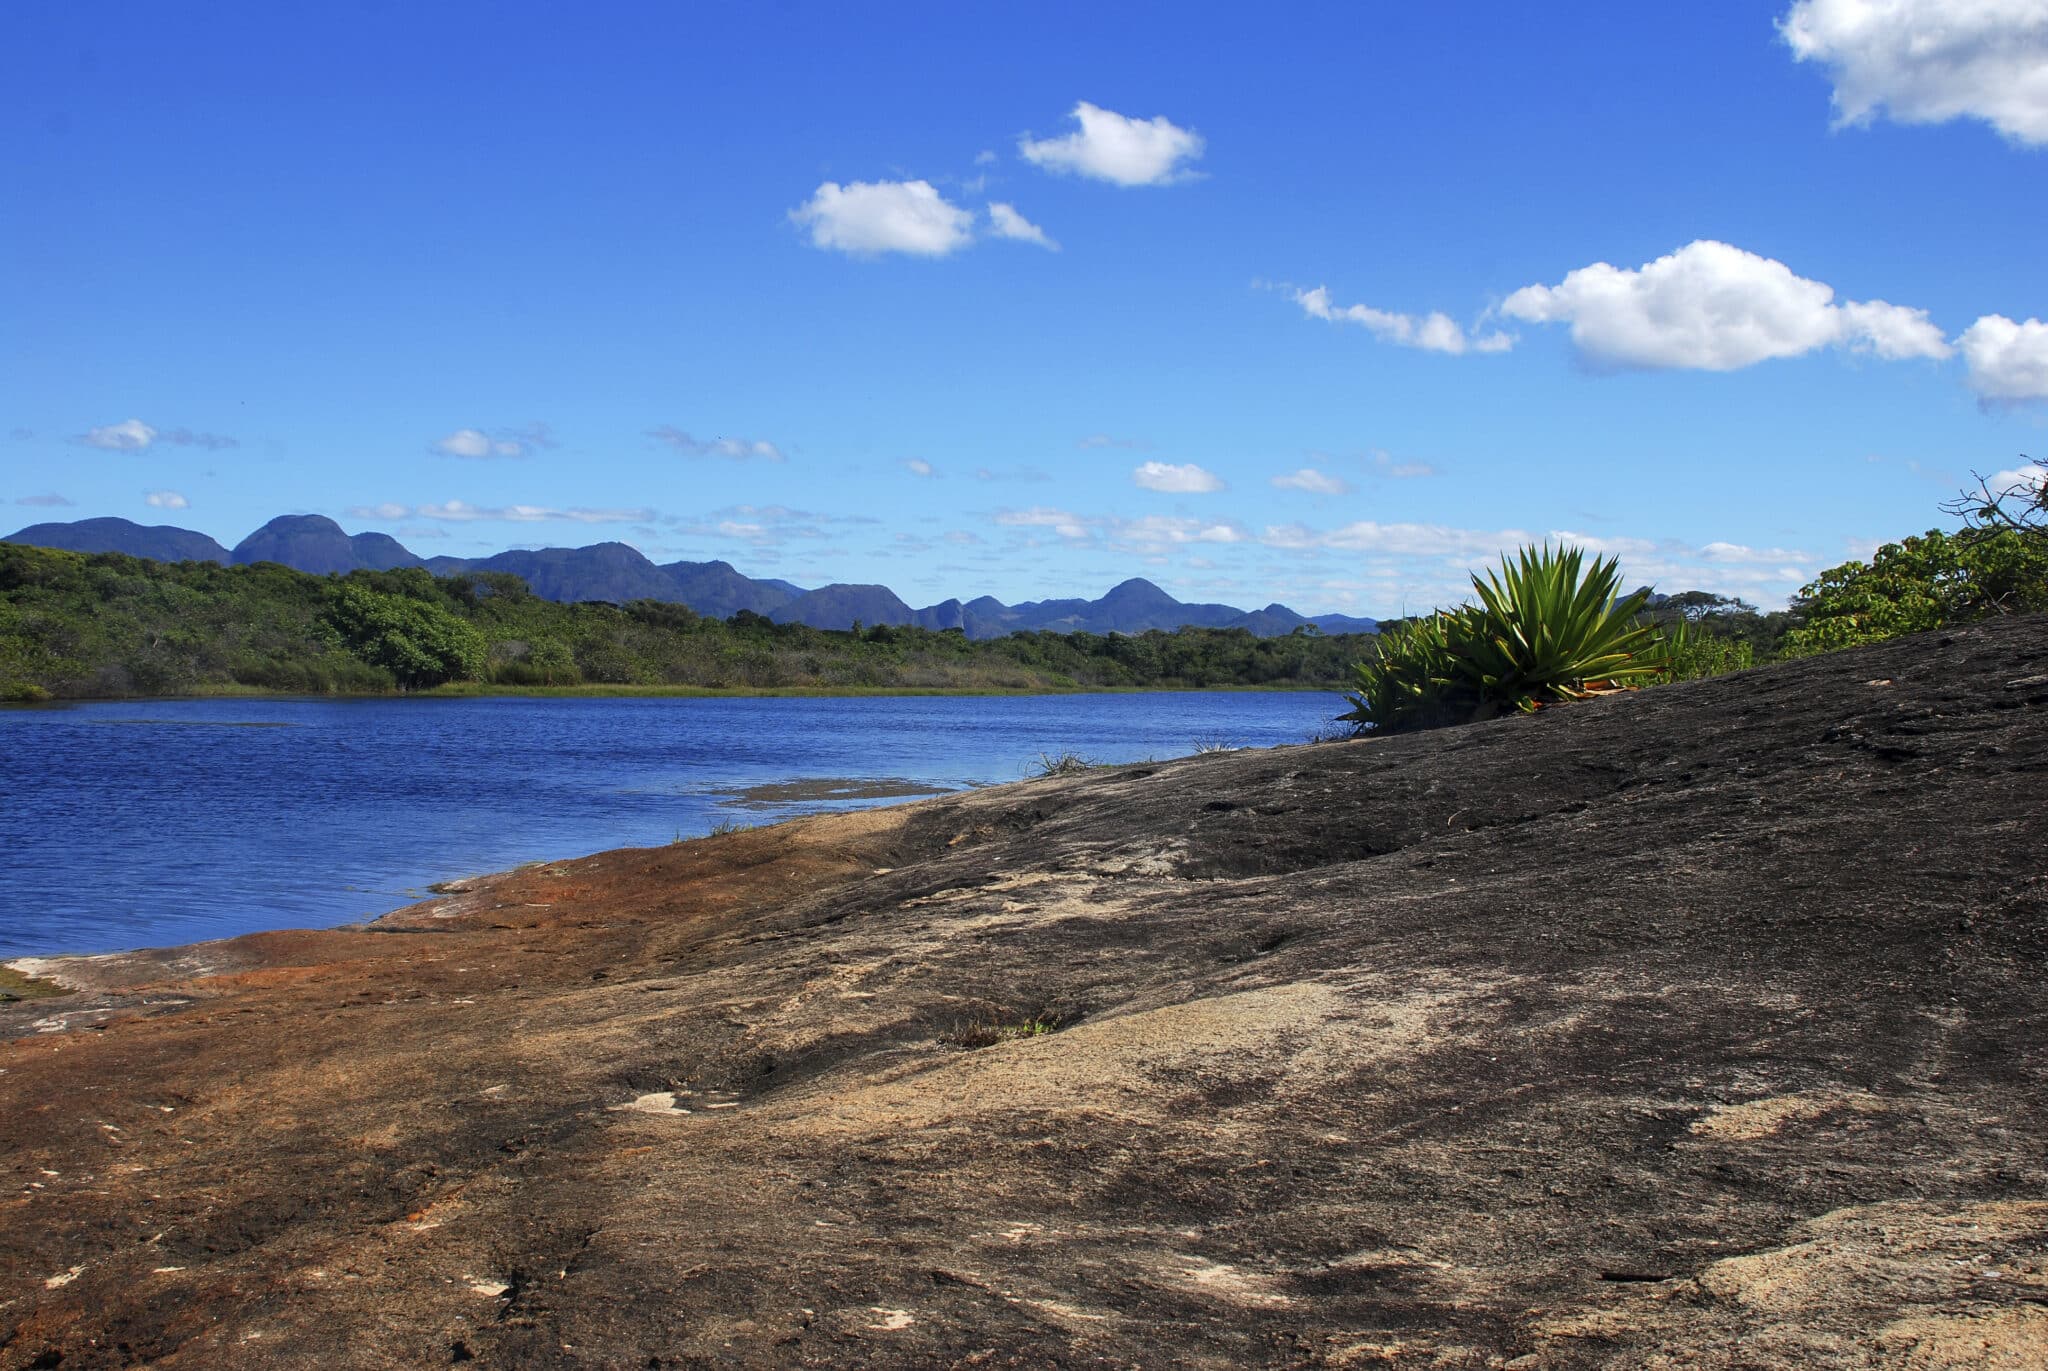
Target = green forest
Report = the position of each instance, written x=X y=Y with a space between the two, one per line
x=83 y=626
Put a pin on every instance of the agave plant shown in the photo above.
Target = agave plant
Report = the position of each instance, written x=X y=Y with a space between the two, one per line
x=1410 y=683
x=1547 y=627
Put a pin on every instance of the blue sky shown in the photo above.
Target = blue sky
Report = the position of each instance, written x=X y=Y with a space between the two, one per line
x=1320 y=307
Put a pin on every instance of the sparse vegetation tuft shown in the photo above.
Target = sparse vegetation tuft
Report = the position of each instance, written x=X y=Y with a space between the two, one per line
x=1065 y=762
x=989 y=1034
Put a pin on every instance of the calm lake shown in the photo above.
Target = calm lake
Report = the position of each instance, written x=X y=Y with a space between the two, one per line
x=145 y=823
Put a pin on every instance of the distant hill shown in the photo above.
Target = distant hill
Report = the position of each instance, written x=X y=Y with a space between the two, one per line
x=158 y=542
x=842 y=606
x=715 y=589
x=619 y=573
x=605 y=571
x=312 y=542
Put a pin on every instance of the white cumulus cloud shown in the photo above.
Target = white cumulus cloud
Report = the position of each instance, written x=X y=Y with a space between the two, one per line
x=1005 y=222
x=1176 y=478
x=867 y=218
x=1116 y=148
x=165 y=499
x=130 y=435
x=1433 y=332
x=2007 y=361
x=918 y=466
x=1313 y=481
x=1929 y=61
x=1713 y=307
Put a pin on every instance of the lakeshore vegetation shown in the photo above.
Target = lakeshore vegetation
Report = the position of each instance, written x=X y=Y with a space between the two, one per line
x=82 y=626
x=101 y=625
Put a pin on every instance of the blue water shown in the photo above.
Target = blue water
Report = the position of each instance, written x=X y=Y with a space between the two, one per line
x=146 y=823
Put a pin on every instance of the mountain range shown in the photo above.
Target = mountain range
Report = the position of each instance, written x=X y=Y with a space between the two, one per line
x=618 y=573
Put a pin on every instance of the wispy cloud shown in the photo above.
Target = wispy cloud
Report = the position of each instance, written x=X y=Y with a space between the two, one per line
x=1157 y=531
x=767 y=525
x=132 y=435
x=1432 y=332
x=185 y=437
x=1314 y=482
x=1149 y=535
x=165 y=499
x=733 y=449
x=1095 y=440
x=461 y=512
x=51 y=501
x=1383 y=464
x=918 y=466
x=1410 y=567
x=478 y=444
x=1006 y=222
x=1066 y=524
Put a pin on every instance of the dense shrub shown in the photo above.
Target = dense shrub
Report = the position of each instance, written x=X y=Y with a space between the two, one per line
x=1547 y=628
x=416 y=640
x=1932 y=581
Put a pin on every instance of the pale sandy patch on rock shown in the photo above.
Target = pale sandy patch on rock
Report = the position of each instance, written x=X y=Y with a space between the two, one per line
x=1162 y=860
x=824 y=829
x=1980 y=1339
x=1897 y=1254
x=1310 y=1032
x=1762 y=1118
x=1222 y=1281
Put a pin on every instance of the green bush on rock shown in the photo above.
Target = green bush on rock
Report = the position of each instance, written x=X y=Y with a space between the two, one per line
x=1547 y=628
x=1931 y=581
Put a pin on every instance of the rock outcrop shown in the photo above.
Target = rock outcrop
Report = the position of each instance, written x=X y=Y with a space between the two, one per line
x=1703 y=1026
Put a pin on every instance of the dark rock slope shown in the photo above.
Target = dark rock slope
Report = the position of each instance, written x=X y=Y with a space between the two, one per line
x=1700 y=1027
